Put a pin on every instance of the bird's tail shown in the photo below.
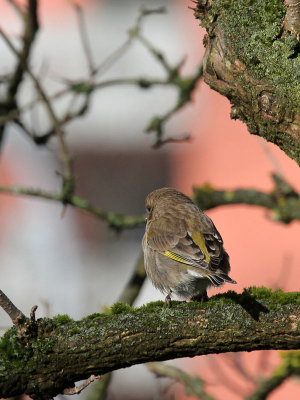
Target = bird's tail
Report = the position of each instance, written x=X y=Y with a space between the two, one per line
x=219 y=278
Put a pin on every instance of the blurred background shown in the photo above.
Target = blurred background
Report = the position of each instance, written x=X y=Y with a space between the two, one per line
x=75 y=265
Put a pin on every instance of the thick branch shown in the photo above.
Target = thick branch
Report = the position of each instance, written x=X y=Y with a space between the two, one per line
x=65 y=351
x=252 y=60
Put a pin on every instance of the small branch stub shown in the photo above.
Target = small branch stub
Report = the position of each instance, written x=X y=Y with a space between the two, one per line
x=78 y=389
x=17 y=317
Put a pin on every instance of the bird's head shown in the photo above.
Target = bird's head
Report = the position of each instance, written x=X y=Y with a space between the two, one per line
x=161 y=199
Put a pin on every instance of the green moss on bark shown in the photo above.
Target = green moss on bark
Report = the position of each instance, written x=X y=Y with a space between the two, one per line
x=254 y=62
x=268 y=54
x=64 y=351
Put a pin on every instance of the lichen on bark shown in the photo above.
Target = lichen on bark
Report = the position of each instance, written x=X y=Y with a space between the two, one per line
x=255 y=62
x=63 y=351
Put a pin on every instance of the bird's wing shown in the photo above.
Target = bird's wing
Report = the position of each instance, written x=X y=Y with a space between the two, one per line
x=199 y=253
x=159 y=235
x=178 y=244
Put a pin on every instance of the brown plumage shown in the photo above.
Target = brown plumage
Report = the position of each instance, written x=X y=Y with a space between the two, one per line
x=183 y=250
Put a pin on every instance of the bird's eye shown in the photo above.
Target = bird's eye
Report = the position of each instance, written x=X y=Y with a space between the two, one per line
x=148 y=209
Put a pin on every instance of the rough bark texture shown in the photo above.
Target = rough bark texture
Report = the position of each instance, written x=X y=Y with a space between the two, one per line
x=253 y=58
x=60 y=351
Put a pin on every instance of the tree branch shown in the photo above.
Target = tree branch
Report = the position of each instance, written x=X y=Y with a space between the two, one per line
x=282 y=200
x=114 y=220
x=128 y=296
x=31 y=26
x=68 y=178
x=12 y=311
x=64 y=351
x=252 y=58
x=30 y=29
x=194 y=385
x=290 y=366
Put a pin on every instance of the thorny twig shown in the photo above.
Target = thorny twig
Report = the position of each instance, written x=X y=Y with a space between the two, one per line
x=84 y=40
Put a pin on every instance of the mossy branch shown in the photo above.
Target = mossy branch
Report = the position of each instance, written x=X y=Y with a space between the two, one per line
x=282 y=200
x=62 y=351
x=252 y=57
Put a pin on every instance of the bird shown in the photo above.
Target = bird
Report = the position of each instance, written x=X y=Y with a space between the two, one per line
x=183 y=251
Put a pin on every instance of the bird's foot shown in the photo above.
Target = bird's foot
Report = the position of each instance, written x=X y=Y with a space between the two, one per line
x=202 y=297
x=168 y=300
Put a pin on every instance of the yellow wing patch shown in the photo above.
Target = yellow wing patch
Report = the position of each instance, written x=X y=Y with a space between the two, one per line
x=176 y=257
x=200 y=242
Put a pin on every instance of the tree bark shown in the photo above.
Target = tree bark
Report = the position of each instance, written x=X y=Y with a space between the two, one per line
x=253 y=58
x=58 y=352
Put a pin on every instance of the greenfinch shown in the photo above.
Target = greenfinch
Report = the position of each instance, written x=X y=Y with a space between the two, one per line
x=183 y=251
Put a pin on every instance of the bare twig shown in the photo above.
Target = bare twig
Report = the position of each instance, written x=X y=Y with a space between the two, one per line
x=78 y=389
x=183 y=139
x=68 y=186
x=156 y=53
x=84 y=40
x=13 y=312
x=113 y=57
x=14 y=81
x=17 y=8
x=99 y=391
x=30 y=28
x=185 y=87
